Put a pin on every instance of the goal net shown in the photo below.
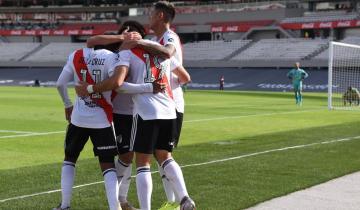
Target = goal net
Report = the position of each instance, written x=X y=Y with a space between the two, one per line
x=344 y=76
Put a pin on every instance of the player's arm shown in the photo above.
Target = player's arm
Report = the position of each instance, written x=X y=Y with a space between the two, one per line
x=289 y=75
x=65 y=77
x=182 y=74
x=179 y=71
x=305 y=74
x=131 y=88
x=109 y=39
x=166 y=51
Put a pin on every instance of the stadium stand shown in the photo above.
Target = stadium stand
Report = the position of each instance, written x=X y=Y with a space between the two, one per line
x=280 y=49
x=54 y=52
x=349 y=40
x=212 y=50
x=322 y=16
x=15 y=51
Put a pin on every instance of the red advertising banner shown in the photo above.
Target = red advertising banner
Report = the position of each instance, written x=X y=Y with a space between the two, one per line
x=319 y=25
x=65 y=32
x=238 y=26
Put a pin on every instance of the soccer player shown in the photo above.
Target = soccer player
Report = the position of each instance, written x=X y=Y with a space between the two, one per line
x=90 y=117
x=152 y=131
x=161 y=17
x=351 y=95
x=123 y=113
x=297 y=75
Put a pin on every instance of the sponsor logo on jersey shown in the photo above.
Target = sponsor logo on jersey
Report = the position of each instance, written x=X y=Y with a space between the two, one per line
x=170 y=40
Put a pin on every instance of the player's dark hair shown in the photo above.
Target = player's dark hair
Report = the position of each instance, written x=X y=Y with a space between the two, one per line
x=133 y=26
x=167 y=8
x=114 y=47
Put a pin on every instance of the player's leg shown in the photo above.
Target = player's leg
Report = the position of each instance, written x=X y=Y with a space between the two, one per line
x=75 y=139
x=105 y=148
x=169 y=191
x=173 y=172
x=300 y=93
x=143 y=139
x=123 y=165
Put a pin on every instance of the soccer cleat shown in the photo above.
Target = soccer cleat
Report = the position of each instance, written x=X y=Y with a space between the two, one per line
x=59 y=208
x=127 y=206
x=170 y=206
x=187 y=204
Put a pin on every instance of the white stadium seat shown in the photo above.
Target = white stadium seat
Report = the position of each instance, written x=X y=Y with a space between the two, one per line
x=281 y=49
x=15 y=51
x=54 y=52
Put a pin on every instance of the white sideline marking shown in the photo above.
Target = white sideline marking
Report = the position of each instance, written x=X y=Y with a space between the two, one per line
x=186 y=121
x=12 y=131
x=200 y=164
x=31 y=134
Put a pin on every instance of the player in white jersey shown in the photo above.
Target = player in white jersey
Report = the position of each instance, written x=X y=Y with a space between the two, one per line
x=161 y=16
x=153 y=127
x=90 y=117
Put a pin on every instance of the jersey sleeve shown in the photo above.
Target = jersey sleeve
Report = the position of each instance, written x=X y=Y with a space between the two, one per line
x=170 y=38
x=65 y=77
x=132 y=88
x=111 y=63
x=124 y=58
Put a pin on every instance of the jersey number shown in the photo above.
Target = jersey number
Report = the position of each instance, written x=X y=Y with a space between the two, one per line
x=149 y=78
x=97 y=76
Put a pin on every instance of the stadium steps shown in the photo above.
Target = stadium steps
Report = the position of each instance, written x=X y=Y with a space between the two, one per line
x=3 y=39
x=238 y=51
x=42 y=45
x=316 y=52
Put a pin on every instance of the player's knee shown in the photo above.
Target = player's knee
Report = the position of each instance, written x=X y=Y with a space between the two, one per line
x=162 y=155
x=127 y=157
x=143 y=159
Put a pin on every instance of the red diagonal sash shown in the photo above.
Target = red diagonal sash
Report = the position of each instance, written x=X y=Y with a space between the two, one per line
x=155 y=71
x=80 y=64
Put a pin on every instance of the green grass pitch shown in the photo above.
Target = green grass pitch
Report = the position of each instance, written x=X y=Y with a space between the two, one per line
x=250 y=126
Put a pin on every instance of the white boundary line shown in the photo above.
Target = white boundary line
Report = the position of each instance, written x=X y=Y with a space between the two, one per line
x=31 y=134
x=186 y=121
x=12 y=131
x=200 y=164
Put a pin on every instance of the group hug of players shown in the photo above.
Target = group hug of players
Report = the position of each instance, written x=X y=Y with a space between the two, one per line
x=130 y=104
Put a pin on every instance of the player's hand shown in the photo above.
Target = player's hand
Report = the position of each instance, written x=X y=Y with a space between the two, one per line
x=131 y=35
x=158 y=87
x=68 y=112
x=127 y=45
x=81 y=90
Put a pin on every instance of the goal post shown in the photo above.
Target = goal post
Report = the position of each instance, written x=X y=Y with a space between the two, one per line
x=344 y=76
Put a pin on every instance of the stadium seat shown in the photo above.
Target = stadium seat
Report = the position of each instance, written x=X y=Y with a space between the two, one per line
x=281 y=49
x=54 y=52
x=212 y=50
x=15 y=51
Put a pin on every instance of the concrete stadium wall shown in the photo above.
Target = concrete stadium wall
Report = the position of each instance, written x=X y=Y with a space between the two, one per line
x=268 y=79
x=47 y=39
x=202 y=18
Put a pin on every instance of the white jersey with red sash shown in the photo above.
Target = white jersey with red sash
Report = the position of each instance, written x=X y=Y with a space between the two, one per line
x=92 y=66
x=145 y=68
x=171 y=38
